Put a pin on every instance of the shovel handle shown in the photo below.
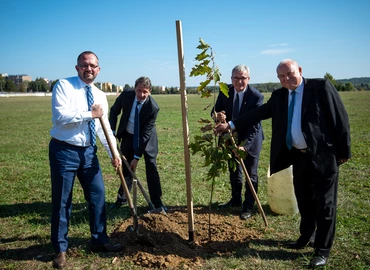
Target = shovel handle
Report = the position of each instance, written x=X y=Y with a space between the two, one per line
x=249 y=182
x=120 y=173
x=151 y=205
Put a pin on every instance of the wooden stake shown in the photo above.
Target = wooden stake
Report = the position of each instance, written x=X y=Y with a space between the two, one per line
x=185 y=128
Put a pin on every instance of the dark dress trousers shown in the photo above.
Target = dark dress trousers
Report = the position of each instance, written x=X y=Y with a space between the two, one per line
x=252 y=136
x=325 y=128
x=148 y=140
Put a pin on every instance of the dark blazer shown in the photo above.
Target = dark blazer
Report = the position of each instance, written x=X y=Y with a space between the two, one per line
x=325 y=126
x=252 y=135
x=148 y=114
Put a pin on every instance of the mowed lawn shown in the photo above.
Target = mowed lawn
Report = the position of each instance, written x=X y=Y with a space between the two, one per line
x=25 y=190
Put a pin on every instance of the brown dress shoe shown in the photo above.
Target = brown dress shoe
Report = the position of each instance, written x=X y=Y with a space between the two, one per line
x=107 y=247
x=60 y=260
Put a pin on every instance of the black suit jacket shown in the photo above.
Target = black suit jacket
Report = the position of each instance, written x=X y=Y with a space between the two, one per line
x=325 y=126
x=148 y=114
x=251 y=135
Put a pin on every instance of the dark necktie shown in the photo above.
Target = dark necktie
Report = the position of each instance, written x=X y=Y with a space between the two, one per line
x=236 y=106
x=290 y=117
x=90 y=102
x=136 y=127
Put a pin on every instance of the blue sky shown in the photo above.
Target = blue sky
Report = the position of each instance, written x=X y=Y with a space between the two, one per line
x=138 y=38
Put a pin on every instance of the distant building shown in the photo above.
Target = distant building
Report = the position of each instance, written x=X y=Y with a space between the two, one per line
x=104 y=86
x=18 y=79
x=119 y=89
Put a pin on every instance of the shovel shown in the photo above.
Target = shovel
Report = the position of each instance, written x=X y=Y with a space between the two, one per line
x=141 y=237
x=151 y=205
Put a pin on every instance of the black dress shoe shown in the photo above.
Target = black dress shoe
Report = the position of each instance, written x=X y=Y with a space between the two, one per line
x=60 y=260
x=108 y=247
x=318 y=261
x=119 y=202
x=298 y=244
x=246 y=214
x=229 y=204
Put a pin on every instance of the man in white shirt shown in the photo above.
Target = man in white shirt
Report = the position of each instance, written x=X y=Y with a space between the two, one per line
x=77 y=105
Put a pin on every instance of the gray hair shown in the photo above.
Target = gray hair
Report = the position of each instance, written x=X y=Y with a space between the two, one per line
x=287 y=61
x=145 y=81
x=240 y=68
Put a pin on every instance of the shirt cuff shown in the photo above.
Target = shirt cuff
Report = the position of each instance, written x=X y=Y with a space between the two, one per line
x=87 y=116
x=136 y=157
x=231 y=124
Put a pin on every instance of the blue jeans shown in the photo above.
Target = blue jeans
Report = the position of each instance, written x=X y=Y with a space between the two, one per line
x=67 y=162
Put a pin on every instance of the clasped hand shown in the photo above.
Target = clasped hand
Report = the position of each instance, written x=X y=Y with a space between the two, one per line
x=221 y=125
x=96 y=111
x=116 y=163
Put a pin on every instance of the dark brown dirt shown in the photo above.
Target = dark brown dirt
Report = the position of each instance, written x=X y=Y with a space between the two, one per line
x=163 y=240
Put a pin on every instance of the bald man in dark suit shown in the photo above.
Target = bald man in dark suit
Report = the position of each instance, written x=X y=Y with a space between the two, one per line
x=315 y=140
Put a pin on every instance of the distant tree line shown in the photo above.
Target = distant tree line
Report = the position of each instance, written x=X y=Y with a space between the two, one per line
x=40 y=85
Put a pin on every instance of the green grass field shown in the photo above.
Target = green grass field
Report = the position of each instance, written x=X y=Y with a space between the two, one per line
x=25 y=190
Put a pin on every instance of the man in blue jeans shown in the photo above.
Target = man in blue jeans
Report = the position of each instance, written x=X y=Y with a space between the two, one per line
x=77 y=104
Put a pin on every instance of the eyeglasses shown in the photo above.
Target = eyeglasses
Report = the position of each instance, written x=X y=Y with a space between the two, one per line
x=239 y=78
x=86 y=66
x=289 y=75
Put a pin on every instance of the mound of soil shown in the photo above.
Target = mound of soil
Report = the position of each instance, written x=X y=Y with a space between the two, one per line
x=162 y=240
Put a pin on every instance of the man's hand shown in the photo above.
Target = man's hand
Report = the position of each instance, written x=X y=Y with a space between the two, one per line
x=220 y=128
x=133 y=164
x=221 y=117
x=236 y=151
x=116 y=162
x=96 y=111
x=342 y=160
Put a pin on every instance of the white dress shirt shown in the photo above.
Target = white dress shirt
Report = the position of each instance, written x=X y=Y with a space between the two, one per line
x=131 y=119
x=70 y=113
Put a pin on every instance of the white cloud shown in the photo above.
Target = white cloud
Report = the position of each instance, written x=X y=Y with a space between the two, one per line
x=279 y=45
x=276 y=51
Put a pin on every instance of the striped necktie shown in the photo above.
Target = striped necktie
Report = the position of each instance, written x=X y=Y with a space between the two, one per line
x=289 y=140
x=90 y=102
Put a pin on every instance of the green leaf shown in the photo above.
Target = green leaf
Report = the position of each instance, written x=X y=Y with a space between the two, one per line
x=201 y=56
x=202 y=44
x=224 y=88
x=206 y=93
x=216 y=75
x=203 y=85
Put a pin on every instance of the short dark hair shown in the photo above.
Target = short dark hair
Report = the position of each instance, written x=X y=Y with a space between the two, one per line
x=83 y=53
x=145 y=81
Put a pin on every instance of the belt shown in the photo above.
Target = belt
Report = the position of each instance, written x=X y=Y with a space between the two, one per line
x=65 y=143
x=304 y=151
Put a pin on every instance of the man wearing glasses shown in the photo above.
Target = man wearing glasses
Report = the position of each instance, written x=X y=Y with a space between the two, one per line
x=242 y=98
x=77 y=104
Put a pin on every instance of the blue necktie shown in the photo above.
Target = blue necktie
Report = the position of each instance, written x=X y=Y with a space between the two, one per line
x=90 y=102
x=290 y=117
x=136 y=127
x=236 y=106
